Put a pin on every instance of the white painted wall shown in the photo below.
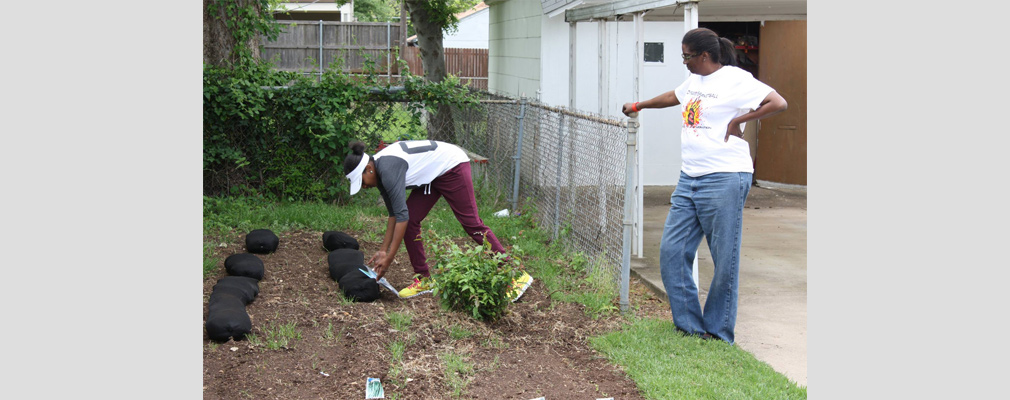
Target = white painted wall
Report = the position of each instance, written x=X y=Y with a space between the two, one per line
x=472 y=32
x=554 y=61
x=587 y=83
x=661 y=128
x=660 y=132
x=347 y=12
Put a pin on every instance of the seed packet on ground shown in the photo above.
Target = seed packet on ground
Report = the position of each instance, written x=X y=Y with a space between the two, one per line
x=383 y=281
x=373 y=389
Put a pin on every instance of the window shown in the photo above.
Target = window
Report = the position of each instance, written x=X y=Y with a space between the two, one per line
x=654 y=52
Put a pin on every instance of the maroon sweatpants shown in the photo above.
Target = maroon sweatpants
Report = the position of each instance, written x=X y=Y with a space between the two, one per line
x=456 y=186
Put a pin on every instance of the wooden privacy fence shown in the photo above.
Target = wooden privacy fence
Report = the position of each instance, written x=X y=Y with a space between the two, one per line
x=314 y=46
x=470 y=65
x=311 y=47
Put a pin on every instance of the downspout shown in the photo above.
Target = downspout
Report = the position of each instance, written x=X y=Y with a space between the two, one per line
x=604 y=68
x=640 y=142
x=572 y=36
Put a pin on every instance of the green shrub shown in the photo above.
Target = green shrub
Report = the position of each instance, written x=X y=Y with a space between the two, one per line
x=471 y=279
x=285 y=135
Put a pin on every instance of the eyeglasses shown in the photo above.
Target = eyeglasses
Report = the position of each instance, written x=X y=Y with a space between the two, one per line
x=687 y=56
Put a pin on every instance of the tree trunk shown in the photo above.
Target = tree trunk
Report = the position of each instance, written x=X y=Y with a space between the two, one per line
x=218 y=42
x=429 y=42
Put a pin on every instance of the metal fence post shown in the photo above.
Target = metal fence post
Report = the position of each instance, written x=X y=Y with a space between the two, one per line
x=320 y=77
x=519 y=154
x=557 y=176
x=389 y=52
x=629 y=223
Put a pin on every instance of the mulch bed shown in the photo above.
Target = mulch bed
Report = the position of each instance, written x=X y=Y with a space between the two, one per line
x=538 y=349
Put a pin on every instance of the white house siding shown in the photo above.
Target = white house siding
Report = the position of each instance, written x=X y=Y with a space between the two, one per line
x=514 y=47
x=472 y=32
x=660 y=137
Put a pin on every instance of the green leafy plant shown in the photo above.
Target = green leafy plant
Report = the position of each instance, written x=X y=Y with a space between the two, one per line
x=284 y=135
x=471 y=279
x=245 y=22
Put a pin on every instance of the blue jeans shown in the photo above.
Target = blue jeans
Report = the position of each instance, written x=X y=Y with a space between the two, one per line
x=711 y=205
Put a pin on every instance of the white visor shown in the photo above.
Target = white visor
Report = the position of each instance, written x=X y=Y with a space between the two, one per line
x=355 y=175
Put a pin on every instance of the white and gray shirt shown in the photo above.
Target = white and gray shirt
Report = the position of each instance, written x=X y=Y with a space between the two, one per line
x=410 y=164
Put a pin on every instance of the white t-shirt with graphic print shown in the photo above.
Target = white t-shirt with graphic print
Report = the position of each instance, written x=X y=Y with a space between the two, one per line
x=708 y=103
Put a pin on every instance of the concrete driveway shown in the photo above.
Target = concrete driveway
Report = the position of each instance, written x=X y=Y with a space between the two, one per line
x=772 y=314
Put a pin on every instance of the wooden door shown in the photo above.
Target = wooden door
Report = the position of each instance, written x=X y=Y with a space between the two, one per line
x=782 y=138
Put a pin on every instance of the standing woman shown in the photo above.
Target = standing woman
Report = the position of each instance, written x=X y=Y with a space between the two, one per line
x=717 y=99
x=432 y=169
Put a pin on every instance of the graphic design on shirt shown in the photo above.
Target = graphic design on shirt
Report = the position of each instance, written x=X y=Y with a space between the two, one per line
x=692 y=114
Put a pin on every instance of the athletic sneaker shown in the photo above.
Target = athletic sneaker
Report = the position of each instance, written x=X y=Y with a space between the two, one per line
x=419 y=287
x=520 y=285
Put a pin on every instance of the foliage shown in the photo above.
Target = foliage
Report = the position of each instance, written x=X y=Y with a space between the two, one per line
x=284 y=135
x=388 y=10
x=443 y=12
x=471 y=279
x=246 y=21
x=405 y=123
x=374 y=10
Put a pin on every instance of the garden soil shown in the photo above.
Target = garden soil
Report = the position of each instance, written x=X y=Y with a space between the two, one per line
x=539 y=349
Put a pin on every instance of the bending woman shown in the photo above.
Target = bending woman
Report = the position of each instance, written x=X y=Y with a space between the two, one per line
x=431 y=169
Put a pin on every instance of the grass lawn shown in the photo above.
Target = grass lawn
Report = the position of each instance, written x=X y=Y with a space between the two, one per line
x=669 y=365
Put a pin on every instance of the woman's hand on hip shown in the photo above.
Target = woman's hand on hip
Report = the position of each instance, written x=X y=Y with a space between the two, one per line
x=733 y=130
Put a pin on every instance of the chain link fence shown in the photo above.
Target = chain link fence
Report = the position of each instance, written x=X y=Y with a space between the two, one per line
x=571 y=170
